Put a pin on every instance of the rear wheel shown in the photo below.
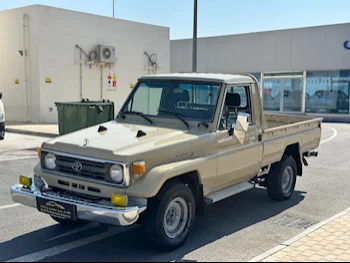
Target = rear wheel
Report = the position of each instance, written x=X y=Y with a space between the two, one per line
x=170 y=216
x=282 y=179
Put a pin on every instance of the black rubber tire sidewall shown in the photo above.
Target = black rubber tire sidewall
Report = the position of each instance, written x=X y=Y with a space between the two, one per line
x=154 y=217
x=274 y=181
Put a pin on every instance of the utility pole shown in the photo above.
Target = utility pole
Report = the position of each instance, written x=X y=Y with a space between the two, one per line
x=194 y=51
x=113 y=8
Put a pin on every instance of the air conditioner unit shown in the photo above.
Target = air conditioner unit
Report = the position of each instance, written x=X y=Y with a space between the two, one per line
x=107 y=54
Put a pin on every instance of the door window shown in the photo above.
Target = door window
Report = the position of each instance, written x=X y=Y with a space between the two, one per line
x=237 y=101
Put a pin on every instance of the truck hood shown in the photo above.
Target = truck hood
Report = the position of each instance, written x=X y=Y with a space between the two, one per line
x=118 y=140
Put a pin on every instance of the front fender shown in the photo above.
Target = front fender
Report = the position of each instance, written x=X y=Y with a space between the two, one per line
x=149 y=185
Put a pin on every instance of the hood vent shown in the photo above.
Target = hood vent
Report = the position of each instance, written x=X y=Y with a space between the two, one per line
x=140 y=134
x=102 y=129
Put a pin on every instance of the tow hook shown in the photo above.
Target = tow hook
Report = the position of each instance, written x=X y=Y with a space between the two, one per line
x=311 y=154
x=307 y=155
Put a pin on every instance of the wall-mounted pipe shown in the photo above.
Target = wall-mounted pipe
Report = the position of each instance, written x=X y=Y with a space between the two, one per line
x=101 y=82
x=81 y=75
x=27 y=69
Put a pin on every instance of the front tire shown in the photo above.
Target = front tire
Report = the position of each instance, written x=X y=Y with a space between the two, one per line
x=2 y=135
x=282 y=179
x=170 y=217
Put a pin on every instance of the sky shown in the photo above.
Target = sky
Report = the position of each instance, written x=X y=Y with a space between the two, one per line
x=215 y=17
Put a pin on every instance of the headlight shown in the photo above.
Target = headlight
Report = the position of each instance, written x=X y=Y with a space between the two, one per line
x=50 y=161
x=116 y=174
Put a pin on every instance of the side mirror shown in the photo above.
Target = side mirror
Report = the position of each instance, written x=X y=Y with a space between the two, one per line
x=0 y=95
x=242 y=123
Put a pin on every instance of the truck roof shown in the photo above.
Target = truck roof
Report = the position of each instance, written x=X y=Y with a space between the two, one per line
x=226 y=78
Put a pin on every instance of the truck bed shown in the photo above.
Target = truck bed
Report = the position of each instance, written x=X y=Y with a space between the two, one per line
x=284 y=130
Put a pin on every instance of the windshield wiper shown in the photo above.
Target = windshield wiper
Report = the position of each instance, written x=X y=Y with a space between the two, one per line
x=138 y=114
x=176 y=114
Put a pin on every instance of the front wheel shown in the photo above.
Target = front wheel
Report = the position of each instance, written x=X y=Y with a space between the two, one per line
x=282 y=179
x=170 y=216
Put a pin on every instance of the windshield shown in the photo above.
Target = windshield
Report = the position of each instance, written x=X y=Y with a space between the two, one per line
x=193 y=101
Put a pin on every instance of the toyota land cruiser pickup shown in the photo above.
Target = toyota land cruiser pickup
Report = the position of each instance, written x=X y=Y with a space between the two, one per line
x=179 y=143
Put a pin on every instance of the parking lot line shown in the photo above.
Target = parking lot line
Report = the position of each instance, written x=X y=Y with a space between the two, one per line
x=335 y=134
x=5 y=158
x=54 y=251
x=9 y=206
x=76 y=231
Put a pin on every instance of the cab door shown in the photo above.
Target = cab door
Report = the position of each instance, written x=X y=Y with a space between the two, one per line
x=239 y=154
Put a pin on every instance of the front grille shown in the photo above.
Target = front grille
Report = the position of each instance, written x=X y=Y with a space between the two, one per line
x=89 y=169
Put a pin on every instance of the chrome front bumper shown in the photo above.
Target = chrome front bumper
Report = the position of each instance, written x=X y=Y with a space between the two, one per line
x=105 y=214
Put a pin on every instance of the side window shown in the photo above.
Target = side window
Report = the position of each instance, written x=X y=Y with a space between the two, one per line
x=237 y=101
x=242 y=91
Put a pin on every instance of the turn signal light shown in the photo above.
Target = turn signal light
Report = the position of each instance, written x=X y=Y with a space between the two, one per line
x=25 y=181
x=139 y=168
x=39 y=151
x=119 y=200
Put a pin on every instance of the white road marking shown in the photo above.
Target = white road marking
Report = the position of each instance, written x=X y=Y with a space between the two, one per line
x=335 y=134
x=54 y=251
x=8 y=159
x=9 y=206
x=82 y=229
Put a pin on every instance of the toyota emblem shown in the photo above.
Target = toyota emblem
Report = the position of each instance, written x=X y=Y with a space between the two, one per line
x=77 y=167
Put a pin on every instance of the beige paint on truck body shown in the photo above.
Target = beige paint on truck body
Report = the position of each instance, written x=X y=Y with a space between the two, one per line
x=169 y=149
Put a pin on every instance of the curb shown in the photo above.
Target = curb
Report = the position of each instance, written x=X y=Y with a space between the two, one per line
x=298 y=237
x=33 y=133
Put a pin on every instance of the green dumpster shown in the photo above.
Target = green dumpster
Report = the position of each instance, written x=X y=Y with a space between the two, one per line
x=74 y=116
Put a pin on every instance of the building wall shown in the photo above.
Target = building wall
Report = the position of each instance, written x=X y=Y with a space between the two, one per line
x=21 y=101
x=315 y=48
x=53 y=36
x=59 y=33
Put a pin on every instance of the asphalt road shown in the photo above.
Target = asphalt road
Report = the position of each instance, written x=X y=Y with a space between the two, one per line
x=236 y=229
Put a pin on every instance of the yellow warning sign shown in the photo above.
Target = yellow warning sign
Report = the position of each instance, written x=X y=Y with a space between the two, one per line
x=48 y=80
x=114 y=76
x=16 y=81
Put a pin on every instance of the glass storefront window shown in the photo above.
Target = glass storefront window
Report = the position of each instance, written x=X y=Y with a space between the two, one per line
x=289 y=100
x=328 y=91
x=293 y=89
x=271 y=93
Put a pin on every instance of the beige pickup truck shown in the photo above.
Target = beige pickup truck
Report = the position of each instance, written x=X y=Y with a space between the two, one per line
x=180 y=142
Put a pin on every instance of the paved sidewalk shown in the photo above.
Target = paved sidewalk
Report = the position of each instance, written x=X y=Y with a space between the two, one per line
x=326 y=242
x=44 y=130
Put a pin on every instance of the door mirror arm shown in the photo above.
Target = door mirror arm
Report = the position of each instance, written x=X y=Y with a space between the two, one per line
x=231 y=130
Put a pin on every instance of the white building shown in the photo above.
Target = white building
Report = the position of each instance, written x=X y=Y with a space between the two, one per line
x=40 y=63
x=305 y=70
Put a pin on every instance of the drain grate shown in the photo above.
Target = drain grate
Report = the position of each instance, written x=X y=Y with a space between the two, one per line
x=294 y=222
